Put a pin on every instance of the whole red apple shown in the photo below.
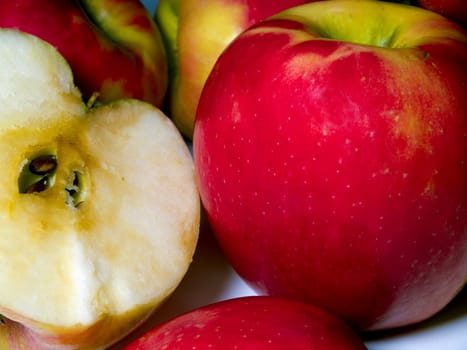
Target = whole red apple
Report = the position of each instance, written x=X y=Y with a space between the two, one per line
x=455 y=9
x=255 y=323
x=195 y=33
x=113 y=46
x=331 y=151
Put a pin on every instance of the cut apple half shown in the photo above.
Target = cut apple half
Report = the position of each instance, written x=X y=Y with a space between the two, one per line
x=99 y=209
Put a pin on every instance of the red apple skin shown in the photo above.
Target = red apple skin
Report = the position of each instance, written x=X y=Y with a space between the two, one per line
x=336 y=173
x=198 y=46
x=252 y=323
x=454 y=9
x=113 y=46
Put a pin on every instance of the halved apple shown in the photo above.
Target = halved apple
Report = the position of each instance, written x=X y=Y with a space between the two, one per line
x=99 y=210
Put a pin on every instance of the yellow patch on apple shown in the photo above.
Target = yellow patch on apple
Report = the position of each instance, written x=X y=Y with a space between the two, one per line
x=194 y=69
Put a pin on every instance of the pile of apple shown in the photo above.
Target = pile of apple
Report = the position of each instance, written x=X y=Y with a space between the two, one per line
x=329 y=151
x=196 y=32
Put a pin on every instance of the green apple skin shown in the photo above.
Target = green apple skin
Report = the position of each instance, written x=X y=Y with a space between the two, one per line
x=330 y=147
x=187 y=26
x=166 y=17
x=454 y=9
x=254 y=322
x=113 y=47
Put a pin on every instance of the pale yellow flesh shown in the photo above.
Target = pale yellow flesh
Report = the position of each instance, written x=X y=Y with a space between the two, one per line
x=87 y=275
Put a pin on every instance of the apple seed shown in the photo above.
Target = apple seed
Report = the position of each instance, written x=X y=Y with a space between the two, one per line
x=75 y=190
x=42 y=165
x=37 y=174
x=38 y=186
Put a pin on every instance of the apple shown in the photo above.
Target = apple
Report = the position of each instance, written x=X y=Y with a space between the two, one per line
x=454 y=9
x=113 y=47
x=330 y=149
x=99 y=209
x=196 y=32
x=252 y=322
x=166 y=16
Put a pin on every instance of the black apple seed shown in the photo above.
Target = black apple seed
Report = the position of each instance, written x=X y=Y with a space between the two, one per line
x=43 y=165
x=38 y=186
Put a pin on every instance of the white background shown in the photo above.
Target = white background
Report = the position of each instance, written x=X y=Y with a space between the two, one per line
x=211 y=279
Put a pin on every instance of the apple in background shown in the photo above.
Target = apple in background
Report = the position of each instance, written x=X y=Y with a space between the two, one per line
x=330 y=149
x=195 y=33
x=166 y=16
x=454 y=9
x=113 y=47
x=99 y=210
x=255 y=322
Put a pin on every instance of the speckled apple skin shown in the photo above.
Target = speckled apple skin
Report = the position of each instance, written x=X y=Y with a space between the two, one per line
x=334 y=172
x=197 y=46
x=252 y=323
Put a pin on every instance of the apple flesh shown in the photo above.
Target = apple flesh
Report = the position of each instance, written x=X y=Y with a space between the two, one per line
x=330 y=147
x=99 y=210
x=196 y=32
x=113 y=47
x=256 y=322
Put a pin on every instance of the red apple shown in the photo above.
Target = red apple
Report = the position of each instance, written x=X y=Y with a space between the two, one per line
x=113 y=46
x=196 y=32
x=330 y=148
x=455 y=9
x=254 y=323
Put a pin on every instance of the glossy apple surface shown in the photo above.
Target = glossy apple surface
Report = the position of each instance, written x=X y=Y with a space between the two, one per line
x=455 y=9
x=113 y=47
x=99 y=210
x=196 y=32
x=330 y=146
x=252 y=323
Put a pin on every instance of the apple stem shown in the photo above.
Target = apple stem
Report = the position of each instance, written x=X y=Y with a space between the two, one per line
x=92 y=100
